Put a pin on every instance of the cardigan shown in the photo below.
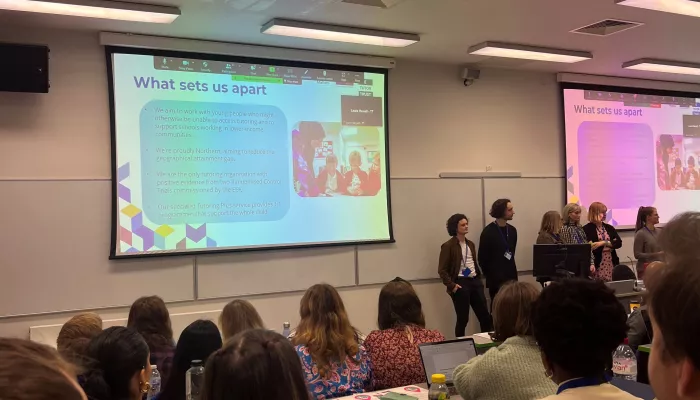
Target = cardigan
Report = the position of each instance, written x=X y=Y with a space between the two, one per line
x=605 y=391
x=512 y=371
x=451 y=261
x=615 y=239
x=645 y=245
x=573 y=233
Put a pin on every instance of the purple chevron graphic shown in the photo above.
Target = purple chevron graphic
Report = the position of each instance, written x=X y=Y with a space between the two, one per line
x=211 y=242
x=570 y=172
x=124 y=192
x=131 y=250
x=147 y=235
x=196 y=234
x=123 y=172
x=137 y=222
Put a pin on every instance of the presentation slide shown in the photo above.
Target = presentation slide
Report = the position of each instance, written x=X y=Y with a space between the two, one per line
x=627 y=150
x=214 y=154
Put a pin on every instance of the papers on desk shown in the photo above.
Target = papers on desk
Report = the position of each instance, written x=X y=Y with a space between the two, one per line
x=483 y=335
x=408 y=392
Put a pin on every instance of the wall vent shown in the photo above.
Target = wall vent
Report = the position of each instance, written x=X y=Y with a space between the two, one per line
x=607 y=27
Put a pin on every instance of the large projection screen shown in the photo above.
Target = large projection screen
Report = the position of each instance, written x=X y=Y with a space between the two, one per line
x=629 y=148
x=216 y=153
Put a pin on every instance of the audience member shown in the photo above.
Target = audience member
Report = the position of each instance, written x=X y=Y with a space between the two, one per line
x=393 y=349
x=32 y=371
x=150 y=317
x=646 y=245
x=578 y=324
x=119 y=367
x=550 y=229
x=622 y=272
x=679 y=238
x=334 y=362
x=75 y=336
x=199 y=340
x=239 y=316
x=605 y=240
x=640 y=330
x=253 y=365
x=514 y=369
x=674 y=294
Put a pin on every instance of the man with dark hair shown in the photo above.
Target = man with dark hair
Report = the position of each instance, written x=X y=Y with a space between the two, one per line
x=460 y=273
x=497 y=247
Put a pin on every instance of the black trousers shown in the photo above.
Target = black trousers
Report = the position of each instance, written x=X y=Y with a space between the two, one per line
x=471 y=294
x=493 y=291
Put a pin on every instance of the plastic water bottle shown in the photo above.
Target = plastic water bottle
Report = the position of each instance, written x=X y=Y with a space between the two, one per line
x=155 y=383
x=194 y=379
x=624 y=363
x=438 y=388
x=285 y=329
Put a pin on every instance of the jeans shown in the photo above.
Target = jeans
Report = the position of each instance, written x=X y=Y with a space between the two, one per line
x=471 y=294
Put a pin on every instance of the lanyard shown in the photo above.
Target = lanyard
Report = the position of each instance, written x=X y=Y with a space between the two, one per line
x=582 y=382
x=649 y=230
x=556 y=237
x=504 y=237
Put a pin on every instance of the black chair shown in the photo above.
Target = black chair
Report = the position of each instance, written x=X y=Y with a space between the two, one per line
x=623 y=272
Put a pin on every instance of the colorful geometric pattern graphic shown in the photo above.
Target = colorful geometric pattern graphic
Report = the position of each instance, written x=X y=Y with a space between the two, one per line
x=138 y=234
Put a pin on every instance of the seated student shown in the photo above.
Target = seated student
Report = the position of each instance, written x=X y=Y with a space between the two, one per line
x=679 y=238
x=335 y=364
x=238 y=316
x=119 y=367
x=578 y=323
x=254 y=365
x=394 y=348
x=514 y=369
x=550 y=228
x=33 y=371
x=622 y=272
x=197 y=342
x=150 y=317
x=330 y=181
x=639 y=322
x=674 y=361
x=75 y=335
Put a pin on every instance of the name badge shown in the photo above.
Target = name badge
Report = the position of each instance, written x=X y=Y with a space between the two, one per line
x=508 y=255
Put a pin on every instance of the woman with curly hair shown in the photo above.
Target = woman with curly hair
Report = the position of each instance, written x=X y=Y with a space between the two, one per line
x=335 y=364
x=578 y=324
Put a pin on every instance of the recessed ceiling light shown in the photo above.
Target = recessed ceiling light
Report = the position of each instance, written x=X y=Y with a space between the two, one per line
x=335 y=33
x=510 y=50
x=685 y=7
x=669 y=67
x=96 y=9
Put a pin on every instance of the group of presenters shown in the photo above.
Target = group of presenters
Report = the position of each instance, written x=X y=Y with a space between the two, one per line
x=462 y=268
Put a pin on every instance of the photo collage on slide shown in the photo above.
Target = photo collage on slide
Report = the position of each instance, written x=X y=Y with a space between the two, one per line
x=677 y=157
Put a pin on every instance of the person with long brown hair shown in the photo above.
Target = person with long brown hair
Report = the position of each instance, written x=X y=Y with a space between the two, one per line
x=605 y=240
x=646 y=244
x=238 y=316
x=75 y=336
x=393 y=348
x=514 y=369
x=550 y=229
x=33 y=371
x=150 y=317
x=335 y=364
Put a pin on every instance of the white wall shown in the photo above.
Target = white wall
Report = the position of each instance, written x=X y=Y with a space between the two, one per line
x=509 y=120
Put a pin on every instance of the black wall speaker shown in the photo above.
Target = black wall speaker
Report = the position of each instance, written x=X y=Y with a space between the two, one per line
x=24 y=68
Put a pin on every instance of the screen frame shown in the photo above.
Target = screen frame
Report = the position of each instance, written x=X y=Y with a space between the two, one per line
x=110 y=50
x=609 y=88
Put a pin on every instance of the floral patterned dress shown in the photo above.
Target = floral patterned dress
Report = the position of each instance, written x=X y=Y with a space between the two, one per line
x=353 y=375
x=604 y=272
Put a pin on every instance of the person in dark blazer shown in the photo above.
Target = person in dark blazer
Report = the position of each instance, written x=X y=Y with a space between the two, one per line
x=605 y=240
x=460 y=273
x=497 y=245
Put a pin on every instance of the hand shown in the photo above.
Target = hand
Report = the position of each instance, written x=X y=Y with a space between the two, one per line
x=592 y=269
x=456 y=288
x=597 y=244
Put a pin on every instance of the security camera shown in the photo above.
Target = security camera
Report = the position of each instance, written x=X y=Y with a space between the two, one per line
x=470 y=75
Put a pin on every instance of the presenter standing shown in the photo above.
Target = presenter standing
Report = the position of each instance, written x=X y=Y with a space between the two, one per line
x=497 y=248
x=646 y=246
x=573 y=233
x=598 y=231
x=460 y=273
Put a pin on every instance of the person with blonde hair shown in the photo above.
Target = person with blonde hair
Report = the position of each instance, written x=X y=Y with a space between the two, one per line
x=514 y=369
x=605 y=240
x=550 y=229
x=335 y=364
x=355 y=179
x=75 y=335
x=239 y=316
x=33 y=371
x=572 y=232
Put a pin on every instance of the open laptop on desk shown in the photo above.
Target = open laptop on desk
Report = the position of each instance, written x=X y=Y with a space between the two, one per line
x=444 y=357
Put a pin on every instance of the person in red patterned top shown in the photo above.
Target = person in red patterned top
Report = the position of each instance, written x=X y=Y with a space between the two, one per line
x=393 y=348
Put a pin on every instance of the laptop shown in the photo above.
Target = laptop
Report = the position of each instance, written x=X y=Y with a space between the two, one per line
x=444 y=357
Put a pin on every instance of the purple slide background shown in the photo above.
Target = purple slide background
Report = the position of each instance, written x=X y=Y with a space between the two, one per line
x=616 y=164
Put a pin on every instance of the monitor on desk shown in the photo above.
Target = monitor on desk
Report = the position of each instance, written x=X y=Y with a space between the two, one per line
x=444 y=357
x=558 y=261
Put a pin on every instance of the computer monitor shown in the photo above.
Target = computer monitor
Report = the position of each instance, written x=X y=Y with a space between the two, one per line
x=444 y=357
x=558 y=261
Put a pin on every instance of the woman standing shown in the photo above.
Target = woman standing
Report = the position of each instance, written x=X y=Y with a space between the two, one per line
x=646 y=246
x=597 y=231
x=572 y=232
x=550 y=229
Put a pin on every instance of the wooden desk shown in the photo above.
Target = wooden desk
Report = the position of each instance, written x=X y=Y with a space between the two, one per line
x=418 y=391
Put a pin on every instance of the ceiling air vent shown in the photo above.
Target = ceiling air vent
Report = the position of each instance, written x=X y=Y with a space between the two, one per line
x=373 y=3
x=607 y=27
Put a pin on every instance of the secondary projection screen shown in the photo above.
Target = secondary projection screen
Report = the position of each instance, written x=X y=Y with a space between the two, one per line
x=215 y=153
x=629 y=148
